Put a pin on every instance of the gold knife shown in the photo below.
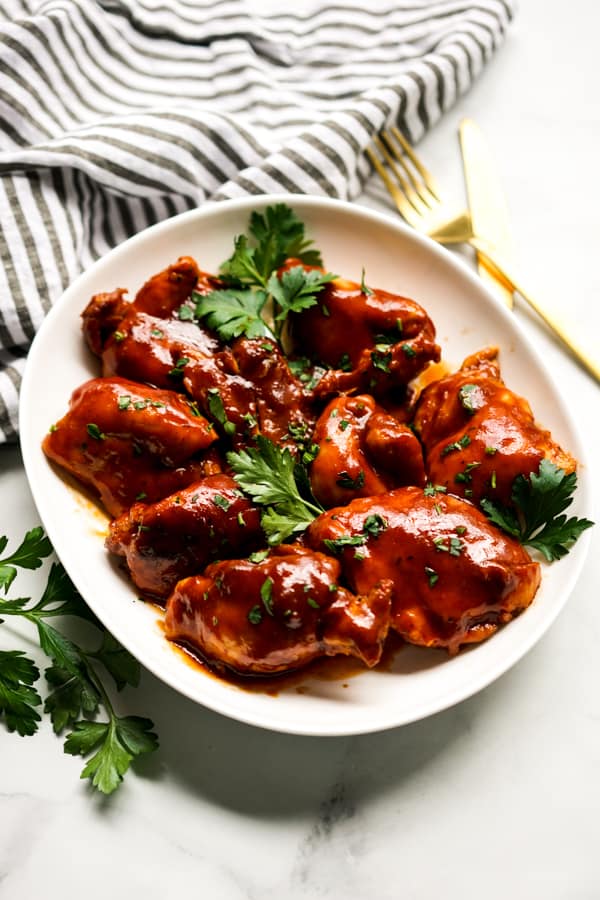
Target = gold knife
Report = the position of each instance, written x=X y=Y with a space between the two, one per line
x=487 y=206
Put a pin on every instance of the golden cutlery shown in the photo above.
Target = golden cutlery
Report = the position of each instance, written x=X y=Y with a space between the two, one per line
x=418 y=200
x=487 y=206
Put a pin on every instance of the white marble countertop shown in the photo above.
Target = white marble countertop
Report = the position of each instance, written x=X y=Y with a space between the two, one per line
x=498 y=797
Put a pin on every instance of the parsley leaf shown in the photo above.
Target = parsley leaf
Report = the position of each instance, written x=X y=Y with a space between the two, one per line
x=277 y=234
x=297 y=289
x=539 y=521
x=117 y=743
x=280 y=236
x=18 y=698
x=232 y=313
x=267 y=474
x=28 y=555
x=71 y=695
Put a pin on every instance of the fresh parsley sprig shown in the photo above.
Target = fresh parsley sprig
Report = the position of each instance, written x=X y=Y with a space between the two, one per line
x=252 y=282
x=276 y=235
x=538 y=518
x=76 y=691
x=269 y=475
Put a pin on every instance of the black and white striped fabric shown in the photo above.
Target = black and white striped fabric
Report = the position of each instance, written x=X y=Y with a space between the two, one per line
x=115 y=114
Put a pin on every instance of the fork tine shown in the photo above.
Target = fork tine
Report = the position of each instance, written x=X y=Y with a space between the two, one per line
x=425 y=174
x=418 y=187
x=404 y=207
x=384 y=146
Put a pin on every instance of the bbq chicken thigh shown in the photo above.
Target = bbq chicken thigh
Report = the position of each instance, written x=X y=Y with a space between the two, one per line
x=245 y=387
x=363 y=451
x=455 y=577
x=478 y=435
x=126 y=441
x=372 y=340
x=277 y=614
x=176 y=537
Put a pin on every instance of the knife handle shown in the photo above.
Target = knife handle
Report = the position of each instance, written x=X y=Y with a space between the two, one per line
x=500 y=271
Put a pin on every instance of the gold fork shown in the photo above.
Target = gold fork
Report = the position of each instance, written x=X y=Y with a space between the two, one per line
x=418 y=200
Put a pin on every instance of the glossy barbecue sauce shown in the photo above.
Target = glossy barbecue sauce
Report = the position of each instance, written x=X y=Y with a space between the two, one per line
x=390 y=553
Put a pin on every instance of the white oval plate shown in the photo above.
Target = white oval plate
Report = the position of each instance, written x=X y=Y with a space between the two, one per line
x=467 y=317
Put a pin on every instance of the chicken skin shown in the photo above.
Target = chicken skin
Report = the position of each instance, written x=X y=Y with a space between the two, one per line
x=176 y=537
x=277 y=614
x=165 y=292
x=160 y=297
x=372 y=340
x=363 y=451
x=281 y=401
x=455 y=577
x=478 y=435
x=128 y=441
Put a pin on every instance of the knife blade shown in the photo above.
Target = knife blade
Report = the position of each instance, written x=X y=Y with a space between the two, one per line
x=489 y=214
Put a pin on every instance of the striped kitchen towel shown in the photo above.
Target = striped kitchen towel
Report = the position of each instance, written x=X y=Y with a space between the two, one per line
x=115 y=114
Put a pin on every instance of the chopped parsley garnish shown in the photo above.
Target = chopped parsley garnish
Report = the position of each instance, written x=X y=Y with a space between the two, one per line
x=119 y=336
x=157 y=333
x=409 y=351
x=374 y=525
x=490 y=451
x=430 y=490
x=177 y=370
x=363 y=287
x=465 y=395
x=538 y=519
x=258 y=556
x=346 y=540
x=255 y=615
x=217 y=411
x=345 y=480
x=381 y=360
x=465 y=477
x=451 y=545
x=345 y=363
x=432 y=575
x=221 y=501
x=312 y=602
x=94 y=432
x=460 y=444
x=266 y=595
x=124 y=401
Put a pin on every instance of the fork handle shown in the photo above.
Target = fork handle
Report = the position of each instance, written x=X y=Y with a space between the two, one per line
x=500 y=271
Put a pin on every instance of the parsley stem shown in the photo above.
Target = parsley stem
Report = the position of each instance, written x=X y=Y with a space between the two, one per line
x=93 y=677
